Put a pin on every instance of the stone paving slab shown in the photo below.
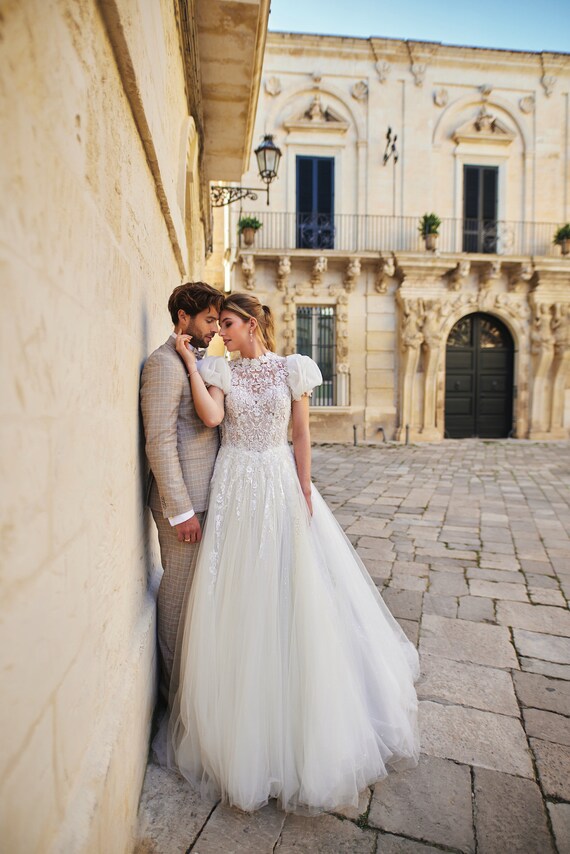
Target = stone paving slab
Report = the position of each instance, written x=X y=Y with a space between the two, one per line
x=553 y=763
x=486 y=688
x=473 y=737
x=540 y=692
x=470 y=542
x=431 y=803
x=462 y=640
x=560 y=818
x=510 y=815
x=323 y=835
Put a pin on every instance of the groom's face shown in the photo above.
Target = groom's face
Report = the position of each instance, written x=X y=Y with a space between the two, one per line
x=202 y=327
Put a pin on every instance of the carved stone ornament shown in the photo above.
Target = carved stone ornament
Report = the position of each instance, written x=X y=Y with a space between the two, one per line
x=283 y=272
x=561 y=327
x=519 y=276
x=317 y=78
x=418 y=70
x=360 y=90
x=411 y=335
x=351 y=274
x=485 y=90
x=541 y=336
x=273 y=86
x=248 y=271
x=431 y=323
x=386 y=271
x=342 y=331
x=488 y=273
x=527 y=104
x=383 y=70
x=457 y=276
x=441 y=97
x=319 y=269
x=548 y=83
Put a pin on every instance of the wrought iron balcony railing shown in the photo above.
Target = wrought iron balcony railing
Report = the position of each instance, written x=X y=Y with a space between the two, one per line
x=353 y=233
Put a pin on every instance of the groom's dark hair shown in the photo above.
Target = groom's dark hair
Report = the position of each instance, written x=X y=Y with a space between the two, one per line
x=193 y=297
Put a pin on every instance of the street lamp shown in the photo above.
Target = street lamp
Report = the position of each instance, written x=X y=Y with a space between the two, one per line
x=268 y=156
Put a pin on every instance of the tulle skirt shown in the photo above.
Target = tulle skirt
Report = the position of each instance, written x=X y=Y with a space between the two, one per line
x=296 y=682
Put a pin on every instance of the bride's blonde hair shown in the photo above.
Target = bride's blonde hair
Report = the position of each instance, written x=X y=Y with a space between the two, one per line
x=248 y=306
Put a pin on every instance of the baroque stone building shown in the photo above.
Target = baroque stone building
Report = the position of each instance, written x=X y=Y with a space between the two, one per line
x=470 y=337
x=115 y=117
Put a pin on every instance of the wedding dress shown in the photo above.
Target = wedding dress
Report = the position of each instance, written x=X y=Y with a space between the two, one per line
x=296 y=682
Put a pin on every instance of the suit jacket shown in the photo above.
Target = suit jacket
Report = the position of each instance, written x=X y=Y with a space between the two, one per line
x=180 y=449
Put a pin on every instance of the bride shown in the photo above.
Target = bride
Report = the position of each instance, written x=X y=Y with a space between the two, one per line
x=296 y=682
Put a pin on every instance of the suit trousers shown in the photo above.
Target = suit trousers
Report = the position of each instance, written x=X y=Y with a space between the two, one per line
x=178 y=562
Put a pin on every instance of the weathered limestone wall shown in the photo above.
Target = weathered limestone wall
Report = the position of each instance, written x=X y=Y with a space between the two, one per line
x=88 y=258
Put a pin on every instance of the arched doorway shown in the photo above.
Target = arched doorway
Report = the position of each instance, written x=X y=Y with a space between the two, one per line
x=479 y=378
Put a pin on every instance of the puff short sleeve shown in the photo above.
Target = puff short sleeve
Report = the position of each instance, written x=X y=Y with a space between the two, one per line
x=215 y=370
x=304 y=375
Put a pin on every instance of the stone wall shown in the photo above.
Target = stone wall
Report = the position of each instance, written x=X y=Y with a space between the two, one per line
x=94 y=236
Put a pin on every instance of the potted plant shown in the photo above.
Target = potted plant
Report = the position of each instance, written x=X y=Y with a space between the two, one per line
x=247 y=227
x=429 y=229
x=562 y=238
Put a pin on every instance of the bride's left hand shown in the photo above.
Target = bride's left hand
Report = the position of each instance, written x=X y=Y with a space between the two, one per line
x=309 y=501
x=183 y=348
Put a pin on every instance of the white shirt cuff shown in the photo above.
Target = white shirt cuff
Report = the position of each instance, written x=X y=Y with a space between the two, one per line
x=183 y=517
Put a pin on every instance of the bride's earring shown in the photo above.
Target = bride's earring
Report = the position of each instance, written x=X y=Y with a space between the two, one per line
x=251 y=334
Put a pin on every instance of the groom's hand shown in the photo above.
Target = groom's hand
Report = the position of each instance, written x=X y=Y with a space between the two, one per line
x=189 y=531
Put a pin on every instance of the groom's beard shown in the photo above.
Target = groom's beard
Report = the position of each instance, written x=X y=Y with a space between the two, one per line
x=196 y=340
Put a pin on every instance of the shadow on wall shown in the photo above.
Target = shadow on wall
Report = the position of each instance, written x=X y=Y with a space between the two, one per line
x=147 y=534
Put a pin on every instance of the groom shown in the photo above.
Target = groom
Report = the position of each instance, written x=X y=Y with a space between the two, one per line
x=181 y=452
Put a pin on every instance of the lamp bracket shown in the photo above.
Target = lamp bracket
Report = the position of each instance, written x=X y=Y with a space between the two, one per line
x=220 y=196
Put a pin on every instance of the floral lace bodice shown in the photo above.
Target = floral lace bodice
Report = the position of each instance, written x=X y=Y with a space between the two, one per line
x=258 y=396
x=258 y=404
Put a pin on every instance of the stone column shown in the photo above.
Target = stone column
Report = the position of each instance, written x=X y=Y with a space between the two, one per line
x=560 y=368
x=411 y=338
x=433 y=337
x=542 y=348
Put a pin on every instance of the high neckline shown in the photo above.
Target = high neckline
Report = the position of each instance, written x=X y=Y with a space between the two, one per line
x=264 y=357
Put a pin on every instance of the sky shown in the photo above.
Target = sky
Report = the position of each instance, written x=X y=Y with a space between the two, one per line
x=525 y=25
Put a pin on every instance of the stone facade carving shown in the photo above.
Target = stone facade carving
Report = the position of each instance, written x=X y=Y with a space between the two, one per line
x=458 y=275
x=519 y=276
x=542 y=349
x=386 y=270
x=351 y=274
x=360 y=90
x=527 y=104
x=289 y=323
x=560 y=367
x=488 y=273
x=320 y=265
x=248 y=271
x=273 y=86
x=418 y=70
x=548 y=83
x=283 y=272
x=383 y=70
x=441 y=97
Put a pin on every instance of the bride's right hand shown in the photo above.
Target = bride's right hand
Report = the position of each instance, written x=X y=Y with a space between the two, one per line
x=183 y=349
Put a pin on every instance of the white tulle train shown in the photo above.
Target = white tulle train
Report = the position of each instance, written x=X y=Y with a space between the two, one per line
x=296 y=681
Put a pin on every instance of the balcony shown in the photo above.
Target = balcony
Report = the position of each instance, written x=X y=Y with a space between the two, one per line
x=349 y=233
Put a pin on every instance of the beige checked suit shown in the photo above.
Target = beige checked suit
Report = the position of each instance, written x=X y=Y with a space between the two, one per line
x=181 y=452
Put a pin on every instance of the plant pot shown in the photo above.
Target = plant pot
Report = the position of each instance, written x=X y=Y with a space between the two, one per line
x=565 y=246
x=431 y=242
x=248 y=235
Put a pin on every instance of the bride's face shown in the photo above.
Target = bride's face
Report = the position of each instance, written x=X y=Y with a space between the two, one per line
x=234 y=331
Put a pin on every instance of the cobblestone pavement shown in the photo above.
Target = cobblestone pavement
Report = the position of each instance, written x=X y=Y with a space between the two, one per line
x=470 y=543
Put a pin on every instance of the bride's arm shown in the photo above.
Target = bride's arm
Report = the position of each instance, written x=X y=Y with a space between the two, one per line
x=302 y=446
x=208 y=402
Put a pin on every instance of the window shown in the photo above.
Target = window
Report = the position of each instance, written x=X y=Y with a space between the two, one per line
x=315 y=202
x=480 y=208
x=316 y=338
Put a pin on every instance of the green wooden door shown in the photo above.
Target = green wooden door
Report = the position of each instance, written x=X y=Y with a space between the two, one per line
x=479 y=379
